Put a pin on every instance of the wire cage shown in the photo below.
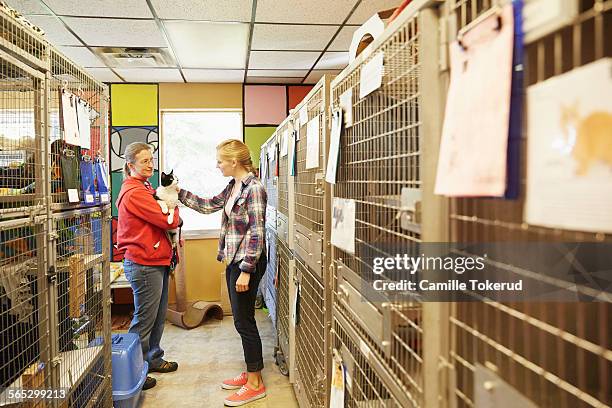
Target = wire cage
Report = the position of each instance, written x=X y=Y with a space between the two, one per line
x=311 y=338
x=283 y=309
x=269 y=153
x=25 y=353
x=309 y=179
x=79 y=175
x=381 y=169
x=21 y=137
x=312 y=210
x=82 y=315
x=22 y=38
x=554 y=354
x=285 y=207
x=367 y=383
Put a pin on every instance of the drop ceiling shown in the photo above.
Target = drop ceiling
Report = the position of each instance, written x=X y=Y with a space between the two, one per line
x=251 y=41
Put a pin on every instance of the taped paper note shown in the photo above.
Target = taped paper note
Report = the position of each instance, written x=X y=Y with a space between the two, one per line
x=312 y=143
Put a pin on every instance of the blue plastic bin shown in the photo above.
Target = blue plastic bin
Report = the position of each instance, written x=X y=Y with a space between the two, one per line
x=129 y=370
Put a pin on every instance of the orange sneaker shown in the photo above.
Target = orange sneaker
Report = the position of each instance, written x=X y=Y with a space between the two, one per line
x=244 y=396
x=235 y=383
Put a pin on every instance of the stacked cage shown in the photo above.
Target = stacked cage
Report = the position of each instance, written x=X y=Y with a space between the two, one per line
x=268 y=172
x=551 y=354
x=385 y=167
x=311 y=231
x=283 y=252
x=78 y=172
x=55 y=324
x=25 y=346
x=80 y=313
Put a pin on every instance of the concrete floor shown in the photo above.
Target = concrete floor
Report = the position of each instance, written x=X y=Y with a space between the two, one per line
x=206 y=356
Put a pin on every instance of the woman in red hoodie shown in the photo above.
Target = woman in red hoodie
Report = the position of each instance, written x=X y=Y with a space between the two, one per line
x=141 y=234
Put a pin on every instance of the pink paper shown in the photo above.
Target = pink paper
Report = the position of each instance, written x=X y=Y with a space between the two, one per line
x=474 y=143
x=264 y=105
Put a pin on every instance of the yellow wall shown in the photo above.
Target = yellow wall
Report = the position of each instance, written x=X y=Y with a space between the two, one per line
x=200 y=96
x=134 y=105
x=203 y=272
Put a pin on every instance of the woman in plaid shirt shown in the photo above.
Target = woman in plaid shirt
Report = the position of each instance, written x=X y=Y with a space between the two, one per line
x=241 y=246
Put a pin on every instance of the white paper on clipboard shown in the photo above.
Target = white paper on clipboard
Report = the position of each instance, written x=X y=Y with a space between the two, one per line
x=284 y=143
x=334 y=146
x=371 y=75
x=312 y=143
x=343 y=224
x=346 y=103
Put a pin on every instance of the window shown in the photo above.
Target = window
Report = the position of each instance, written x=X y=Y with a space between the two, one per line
x=189 y=141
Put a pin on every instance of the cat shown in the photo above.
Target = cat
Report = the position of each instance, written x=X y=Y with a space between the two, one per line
x=589 y=138
x=167 y=194
x=167 y=198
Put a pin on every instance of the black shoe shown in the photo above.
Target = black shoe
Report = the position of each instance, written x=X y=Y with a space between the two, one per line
x=150 y=382
x=165 y=367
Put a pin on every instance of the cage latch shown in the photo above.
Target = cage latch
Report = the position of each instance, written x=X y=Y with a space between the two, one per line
x=319 y=183
x=52 y=274
x=410 y=212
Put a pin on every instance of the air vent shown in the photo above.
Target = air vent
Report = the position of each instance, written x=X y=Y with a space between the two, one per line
x=135 y=57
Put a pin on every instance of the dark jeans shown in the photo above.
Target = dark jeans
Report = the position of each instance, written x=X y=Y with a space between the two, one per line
x=243 y=309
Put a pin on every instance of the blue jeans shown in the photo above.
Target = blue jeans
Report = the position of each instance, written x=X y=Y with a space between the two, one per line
x=150 y=287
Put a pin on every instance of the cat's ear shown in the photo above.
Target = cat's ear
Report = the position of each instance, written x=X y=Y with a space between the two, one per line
x=171 y=172
x=163 y=174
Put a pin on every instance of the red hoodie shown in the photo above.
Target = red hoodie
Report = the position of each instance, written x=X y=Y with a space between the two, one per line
x=141 y=227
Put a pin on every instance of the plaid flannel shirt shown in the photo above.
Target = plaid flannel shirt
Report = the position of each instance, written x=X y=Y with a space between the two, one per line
x=243 y=233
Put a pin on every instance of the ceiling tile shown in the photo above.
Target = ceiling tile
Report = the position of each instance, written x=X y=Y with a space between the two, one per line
x=300 y=11
x=277 y=73
x=193 y=52
x=333 y=60
x=83 y=57
x=103 y=74
x=54 y=30
x=150 y=75
x=314 y=76
x=367 y=8
x=27 y=6
x=342 y=42
x=273 y=80
x=117 y=32
x=209 y=10
x=97 y=8
x=214 y=75
x=291 y=37
x=282 y=59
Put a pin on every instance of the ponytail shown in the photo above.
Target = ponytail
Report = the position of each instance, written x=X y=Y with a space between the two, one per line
x=233 y=149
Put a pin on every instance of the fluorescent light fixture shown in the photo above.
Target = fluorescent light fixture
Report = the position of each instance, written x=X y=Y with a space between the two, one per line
x=200 y=44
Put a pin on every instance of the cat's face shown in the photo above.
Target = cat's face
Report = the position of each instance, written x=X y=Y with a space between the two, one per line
x=168 y=179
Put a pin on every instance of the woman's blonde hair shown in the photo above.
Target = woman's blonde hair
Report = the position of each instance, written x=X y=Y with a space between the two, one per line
x=130 y=155
x=235 y=149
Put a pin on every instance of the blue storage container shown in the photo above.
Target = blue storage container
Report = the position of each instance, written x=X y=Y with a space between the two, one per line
x=129 y=370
